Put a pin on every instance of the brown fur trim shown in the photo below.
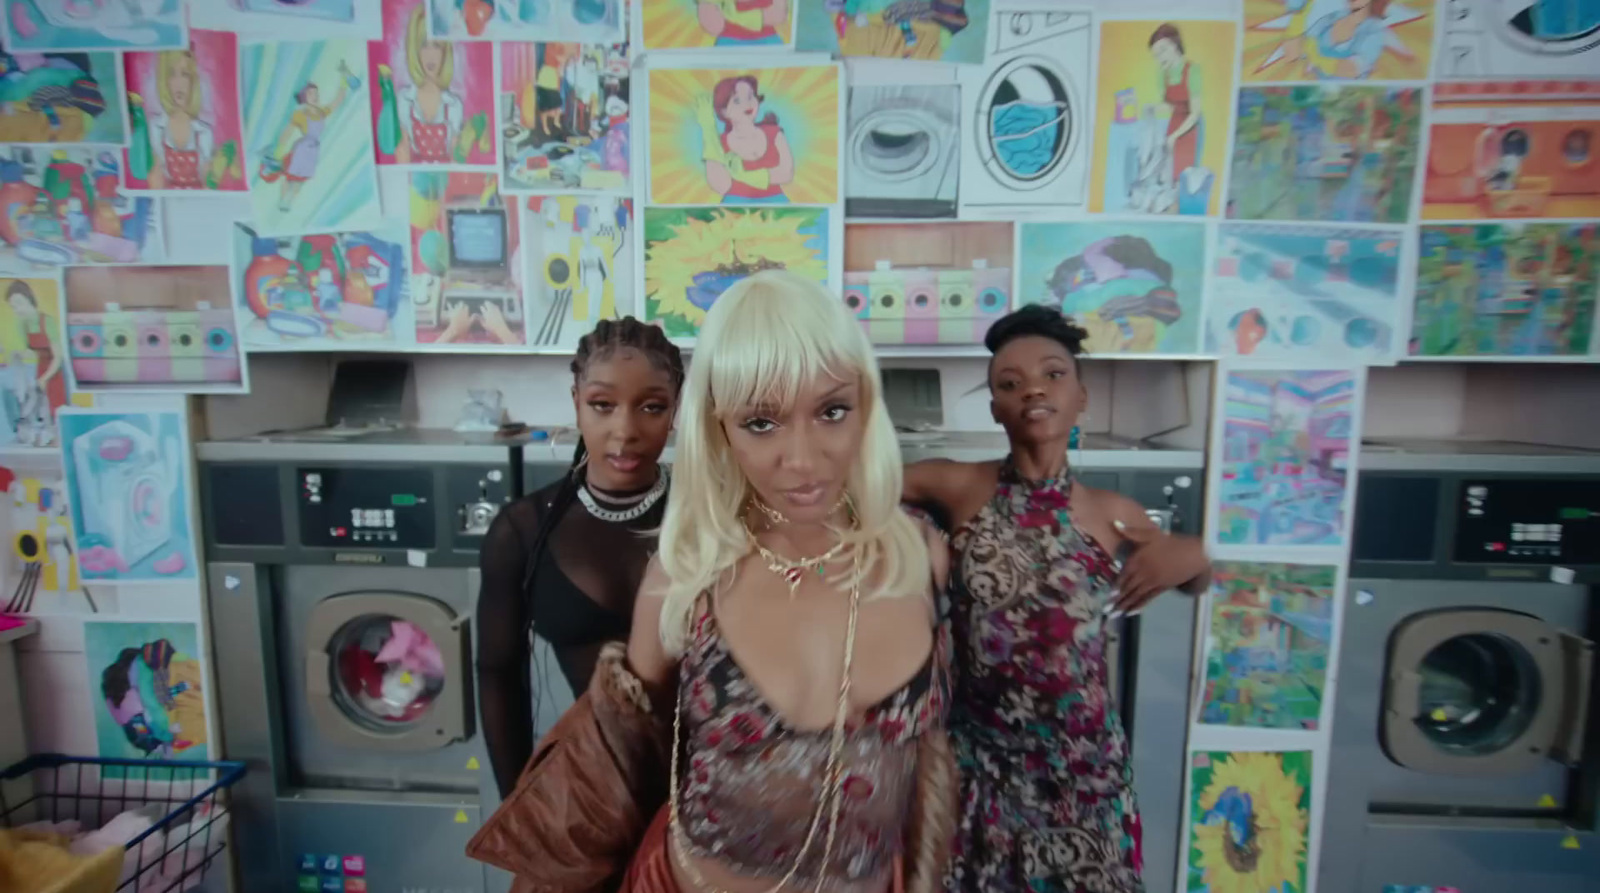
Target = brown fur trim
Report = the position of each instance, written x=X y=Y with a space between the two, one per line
x=933 y=815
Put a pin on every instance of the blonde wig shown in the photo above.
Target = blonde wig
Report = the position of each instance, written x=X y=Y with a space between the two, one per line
x=763 y=340
x=416 y=38
x=170 y=63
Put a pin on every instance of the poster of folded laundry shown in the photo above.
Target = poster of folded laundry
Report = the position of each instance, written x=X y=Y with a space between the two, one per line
x=151 y=702
x=153 y=328
x=128 y=485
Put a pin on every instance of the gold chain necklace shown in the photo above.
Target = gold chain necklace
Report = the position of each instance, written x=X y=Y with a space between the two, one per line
x=832 y=774
x=793 y=570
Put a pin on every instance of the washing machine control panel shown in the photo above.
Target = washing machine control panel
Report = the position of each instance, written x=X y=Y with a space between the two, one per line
x=374 y=508
x=1528 y=521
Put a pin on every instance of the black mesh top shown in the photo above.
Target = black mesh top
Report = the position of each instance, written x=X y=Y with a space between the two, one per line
x=581 y=596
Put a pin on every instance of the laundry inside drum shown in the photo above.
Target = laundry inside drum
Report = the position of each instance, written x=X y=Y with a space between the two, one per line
x=387 y=672
x=1479 y=693
x=1029 y=124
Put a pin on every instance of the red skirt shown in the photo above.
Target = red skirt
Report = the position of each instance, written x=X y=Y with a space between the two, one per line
x=651 y=871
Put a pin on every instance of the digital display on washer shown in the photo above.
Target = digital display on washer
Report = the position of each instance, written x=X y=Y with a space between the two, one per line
x=373 y=508
x=1545 y=521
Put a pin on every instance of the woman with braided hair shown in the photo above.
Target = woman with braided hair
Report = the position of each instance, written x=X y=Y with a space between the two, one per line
x=564 y=563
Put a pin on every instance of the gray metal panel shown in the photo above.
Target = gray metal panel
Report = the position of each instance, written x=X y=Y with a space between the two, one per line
x=1476 y=457
x=412 y=842
x=1160 y=728
x=246 y=702
x=1518 y=856
x=1360 y=773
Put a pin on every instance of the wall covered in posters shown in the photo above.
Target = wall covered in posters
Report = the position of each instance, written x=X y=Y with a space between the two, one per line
x=1297 y=189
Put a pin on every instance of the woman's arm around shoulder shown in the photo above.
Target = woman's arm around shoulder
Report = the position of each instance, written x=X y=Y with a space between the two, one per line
x=959 y=489
x=1159 y=561
x=647 y=656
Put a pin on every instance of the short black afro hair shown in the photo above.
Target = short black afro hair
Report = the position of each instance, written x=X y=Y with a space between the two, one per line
x=1038 y=320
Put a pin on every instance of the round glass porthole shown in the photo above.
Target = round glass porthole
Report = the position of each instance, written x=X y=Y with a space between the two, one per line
x=387 y=672
x=1479 y=694
x=898 y=144
x=1027 y=120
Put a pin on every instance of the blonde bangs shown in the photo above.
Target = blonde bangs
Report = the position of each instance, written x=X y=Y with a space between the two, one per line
x=763 y=341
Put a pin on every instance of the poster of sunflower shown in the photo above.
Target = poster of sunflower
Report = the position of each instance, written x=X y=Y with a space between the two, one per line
x=1249 y=821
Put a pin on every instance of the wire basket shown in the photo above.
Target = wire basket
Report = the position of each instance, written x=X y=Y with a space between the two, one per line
x=187 y=802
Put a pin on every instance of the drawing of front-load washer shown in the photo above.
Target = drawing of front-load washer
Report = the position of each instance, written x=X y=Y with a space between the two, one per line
x=125 y=485
x=900 y=151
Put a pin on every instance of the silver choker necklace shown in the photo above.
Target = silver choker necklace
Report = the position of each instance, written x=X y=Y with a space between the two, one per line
x=637 y=509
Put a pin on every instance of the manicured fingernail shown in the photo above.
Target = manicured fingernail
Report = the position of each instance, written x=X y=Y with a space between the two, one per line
x=1119 y=525
x=1136 y=612
x=1114 y=615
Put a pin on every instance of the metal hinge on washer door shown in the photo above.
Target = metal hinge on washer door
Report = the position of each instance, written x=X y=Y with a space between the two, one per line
x=1577 y=664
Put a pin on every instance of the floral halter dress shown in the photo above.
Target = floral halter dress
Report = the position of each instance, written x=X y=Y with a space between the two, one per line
x=1046 y=789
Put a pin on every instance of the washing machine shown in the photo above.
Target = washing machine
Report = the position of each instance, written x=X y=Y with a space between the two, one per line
x=1464 y=743
x=127 y=490
x=341 y=581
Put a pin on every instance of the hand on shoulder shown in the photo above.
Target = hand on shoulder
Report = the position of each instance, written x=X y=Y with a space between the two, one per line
x=1159 y=561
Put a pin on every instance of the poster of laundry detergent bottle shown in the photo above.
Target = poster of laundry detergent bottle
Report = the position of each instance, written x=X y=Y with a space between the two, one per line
x=150 y=700
x=128 y=486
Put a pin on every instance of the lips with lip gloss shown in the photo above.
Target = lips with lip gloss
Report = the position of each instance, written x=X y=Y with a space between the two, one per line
x=811 y=494
x=624 y=464
x=1040 y=411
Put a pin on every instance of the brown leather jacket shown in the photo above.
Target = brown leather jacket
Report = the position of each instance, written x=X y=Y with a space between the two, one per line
x=598 y=777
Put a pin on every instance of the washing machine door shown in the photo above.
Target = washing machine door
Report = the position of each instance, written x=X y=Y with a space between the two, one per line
x=388 y=671
x=1484 y=692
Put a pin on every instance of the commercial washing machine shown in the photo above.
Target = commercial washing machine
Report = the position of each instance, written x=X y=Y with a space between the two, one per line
x=342 y=580
x=1464 y=742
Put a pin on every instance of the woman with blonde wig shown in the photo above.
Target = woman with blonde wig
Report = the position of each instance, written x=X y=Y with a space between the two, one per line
x=784 y=666
x=182 y=139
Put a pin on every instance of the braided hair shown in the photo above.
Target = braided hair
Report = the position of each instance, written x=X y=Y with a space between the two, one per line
x=608 y=337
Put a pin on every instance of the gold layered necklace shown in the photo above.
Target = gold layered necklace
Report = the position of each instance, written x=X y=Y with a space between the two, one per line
x=793 y=570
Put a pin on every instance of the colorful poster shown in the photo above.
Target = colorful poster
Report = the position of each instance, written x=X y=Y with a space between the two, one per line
x=64 y=25
x=692 y=255
x=928 y=283
x=1249 y=822
x=1161 y=116
x=326 y=291
x=1135 y=286
x=1304 y=292
x=1026 y=142
x=128 y=485
x=565 y=117
x=60 y=98
x=41 y=561
x=581 y=21
x=1320 y=40
x=1344 y=153
x=309 y=130
x=184 y=109
x=62 y=206
x=435 y=101
x=290 y=19
x=901 y=151
x=466 y=262
x=153 y=328
x=751 y=136
x=581 y=266
x=1518 y=149
x=1286 y=443
x=1267 y=646
x=33 y=384
x=886 y=29
x=1506 y=289
x=1519 y=38
x=150 y=687
x=698 y=24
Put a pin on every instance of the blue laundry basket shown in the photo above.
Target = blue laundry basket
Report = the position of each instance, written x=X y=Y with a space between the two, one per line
x=56 y=788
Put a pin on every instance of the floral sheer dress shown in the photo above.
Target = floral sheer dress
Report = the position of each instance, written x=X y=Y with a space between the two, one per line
x=1046 y=789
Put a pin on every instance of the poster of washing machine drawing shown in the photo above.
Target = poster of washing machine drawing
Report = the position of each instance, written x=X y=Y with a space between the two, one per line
x=150 y=700
x=1249 y=821
x=1025 y=124
x=1304 y=293
x=1267 y=644
x=153 y=328
x=580 y=265
x=129 y=488
x=901 y=152
x=1512 y=38
x=1286 y=439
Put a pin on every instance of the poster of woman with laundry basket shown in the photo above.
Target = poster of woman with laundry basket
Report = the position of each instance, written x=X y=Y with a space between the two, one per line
x=129 y=490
